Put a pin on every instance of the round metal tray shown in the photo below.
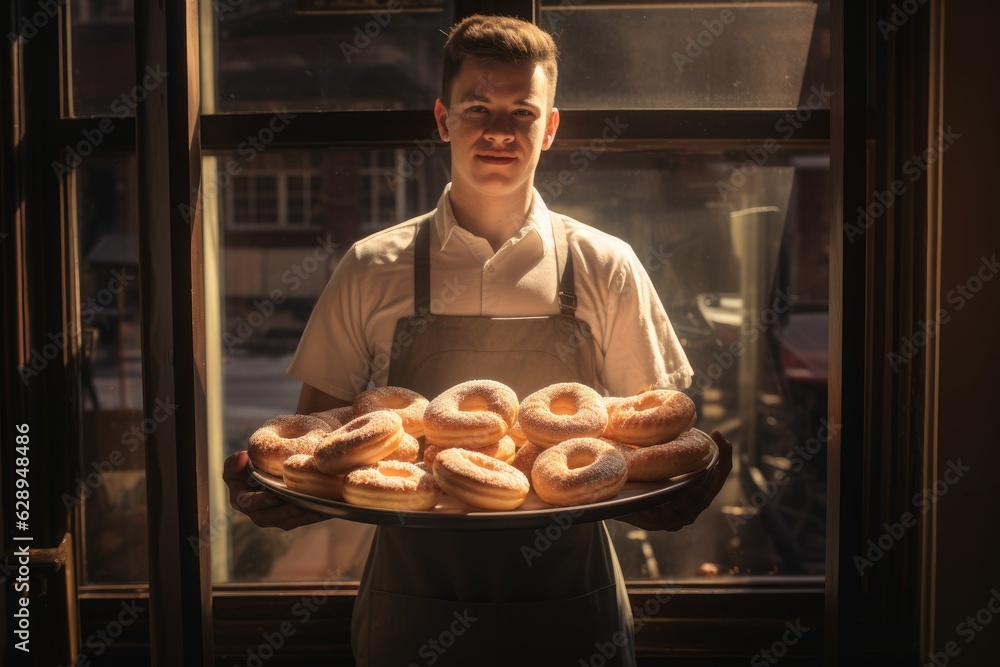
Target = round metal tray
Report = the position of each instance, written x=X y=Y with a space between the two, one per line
x=451 y=513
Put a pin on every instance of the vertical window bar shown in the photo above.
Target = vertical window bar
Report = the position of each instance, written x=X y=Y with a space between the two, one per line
x=173 y=343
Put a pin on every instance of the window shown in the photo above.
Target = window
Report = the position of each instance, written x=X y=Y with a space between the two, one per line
x=731 y=237
x=274 y=195
x=101 y=72
x=270 y=282
x=324 y=55
x=707 y=55
x=714 y=178
x=111 y=488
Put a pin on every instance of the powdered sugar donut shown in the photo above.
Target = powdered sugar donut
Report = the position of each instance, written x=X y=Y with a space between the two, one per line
x=651 y=418
x=516 y=433
x=480 y=480
x=502 y=450
x=363 y=440
x=336 y=417
x=284 y=436
x=578 y=471
x=302 y=475
x=393 y=485
x=471 y=414
x=406 y=403
x=525 y=457
x=689 y=452
x=408 y=450
x=561 y=412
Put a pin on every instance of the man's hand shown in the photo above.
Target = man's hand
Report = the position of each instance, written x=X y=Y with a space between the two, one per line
x=263 y=507
x=684 y=508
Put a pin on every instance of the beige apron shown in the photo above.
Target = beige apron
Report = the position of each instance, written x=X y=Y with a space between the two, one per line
x=549 y=596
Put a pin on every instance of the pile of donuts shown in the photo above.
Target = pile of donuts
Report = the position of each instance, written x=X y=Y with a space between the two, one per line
x=395 y=449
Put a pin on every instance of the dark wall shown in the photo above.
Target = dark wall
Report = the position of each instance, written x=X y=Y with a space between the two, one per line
x=966 y=543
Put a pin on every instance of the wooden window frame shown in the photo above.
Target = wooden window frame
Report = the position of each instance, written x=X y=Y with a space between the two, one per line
x=191 y=623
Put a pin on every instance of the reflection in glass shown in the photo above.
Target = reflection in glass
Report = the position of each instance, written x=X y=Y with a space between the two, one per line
x=706 y=55
x=722 y=261
x=101 y=62
x=270 y=274
x=112 y=480
x=743 y=275
x=289 y=54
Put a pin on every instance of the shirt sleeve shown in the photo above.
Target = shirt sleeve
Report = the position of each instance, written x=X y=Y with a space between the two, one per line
x=641 y=348
x=332 y=354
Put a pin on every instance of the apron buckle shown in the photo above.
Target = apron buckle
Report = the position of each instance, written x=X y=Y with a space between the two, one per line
x=567 y=301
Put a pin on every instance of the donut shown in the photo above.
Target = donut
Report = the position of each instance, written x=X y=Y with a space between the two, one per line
x=502 y=450
x=363 y=440
x=479 y=480
x=516 y=433
x=406 y=403
x=688 y=452
x=471 y=414
x=578 y=471
x=525 y=457
x=393 y=485
x=283 y=436
x=561 y=412
x=409 y=448
x=302 y=475
x=651 y=418
x=609 y=403
x=336 y=417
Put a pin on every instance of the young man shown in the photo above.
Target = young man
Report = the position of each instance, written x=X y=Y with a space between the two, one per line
x=490 y=284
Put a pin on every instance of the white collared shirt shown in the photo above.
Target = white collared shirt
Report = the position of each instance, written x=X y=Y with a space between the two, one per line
x=349 y=337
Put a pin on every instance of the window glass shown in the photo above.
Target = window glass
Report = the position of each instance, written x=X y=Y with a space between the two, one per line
x=101 y=62
x=743 y=273
x=270 y=275
x=111 y=488
x=705 y=55
x=324 y=54
x=740 y=259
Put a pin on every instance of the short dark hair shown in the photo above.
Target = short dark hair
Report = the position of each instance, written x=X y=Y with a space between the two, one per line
x=503 y=38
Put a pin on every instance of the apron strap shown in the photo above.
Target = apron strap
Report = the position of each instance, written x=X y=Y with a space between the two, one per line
x=422 y=268
x=564 y=267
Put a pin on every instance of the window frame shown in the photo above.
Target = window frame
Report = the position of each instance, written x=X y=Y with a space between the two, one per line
x=843 y=130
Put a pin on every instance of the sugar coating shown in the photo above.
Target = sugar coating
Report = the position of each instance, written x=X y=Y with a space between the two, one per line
x=561 y=412
x=503 y=450
x=650 y=418
x=392 y=485
x=525 y=457
x=688 y=452
x=480 y=480
x=473 y=414
x=406 y=403
x=407 y=451
x=336 y=417
x=363 y=440
x=283 y=436
x=577 y=471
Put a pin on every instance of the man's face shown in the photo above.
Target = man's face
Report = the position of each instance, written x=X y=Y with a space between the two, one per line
x=498 y=123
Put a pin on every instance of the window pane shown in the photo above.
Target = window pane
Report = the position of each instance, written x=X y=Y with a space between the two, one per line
x=265 y=200
x=296 y=199
x=102 y=59
x=741 y=262
x=272 y=191
x=705 y=55
x=312 y=55
x=737 y=257
x=112 y=483
x=270 y=279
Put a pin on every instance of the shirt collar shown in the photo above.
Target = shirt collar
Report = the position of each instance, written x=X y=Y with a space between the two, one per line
x=537 y=223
